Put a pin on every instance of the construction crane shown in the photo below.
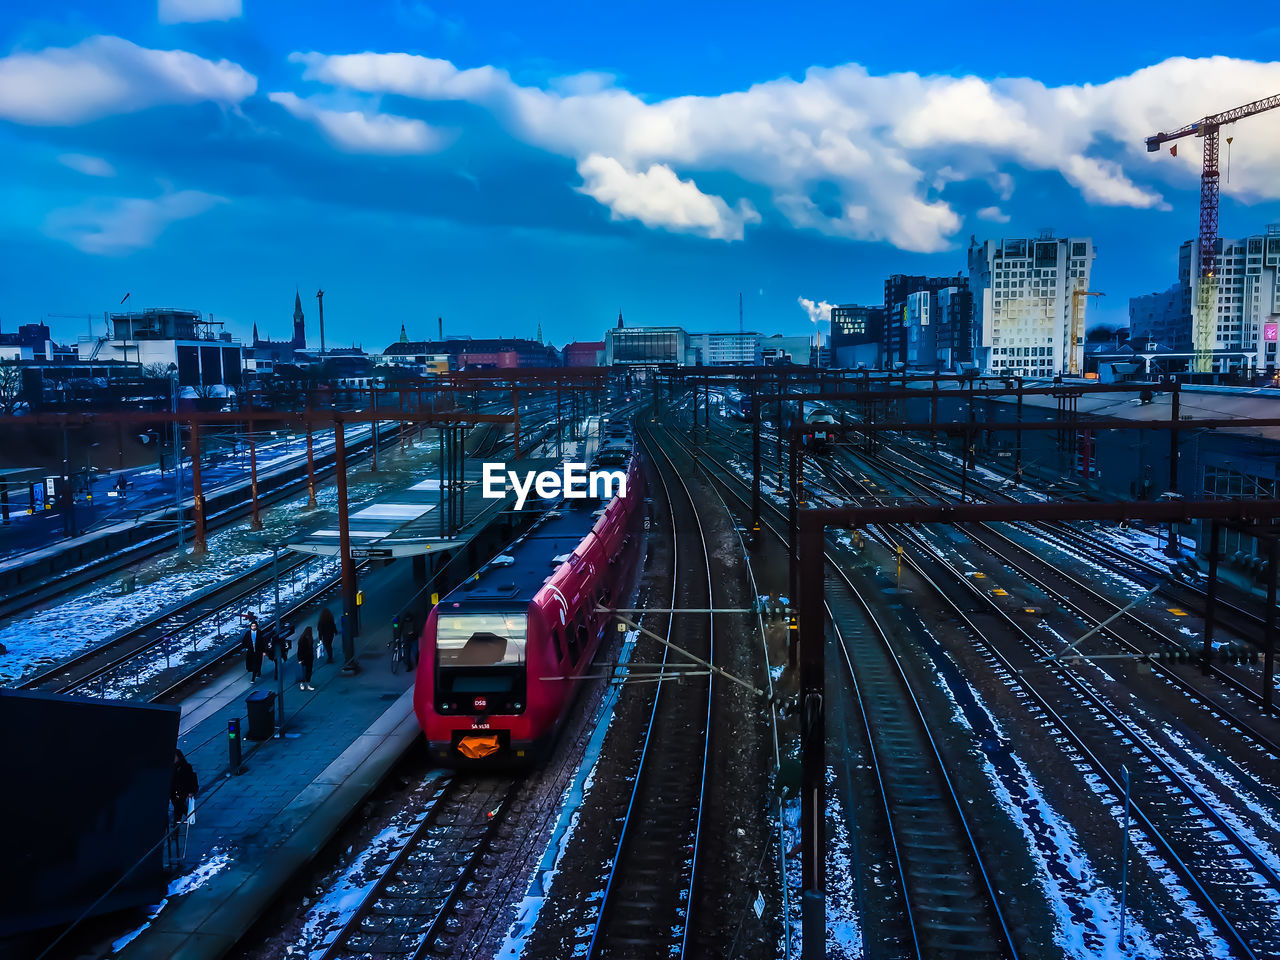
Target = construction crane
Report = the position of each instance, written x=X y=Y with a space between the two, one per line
x=1205 y=330
x=1078 y=296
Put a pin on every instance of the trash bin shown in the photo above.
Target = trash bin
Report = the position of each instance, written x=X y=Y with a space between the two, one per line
x=262 y=714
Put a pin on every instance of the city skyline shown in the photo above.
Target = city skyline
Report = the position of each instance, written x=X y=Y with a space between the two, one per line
x=482 y=167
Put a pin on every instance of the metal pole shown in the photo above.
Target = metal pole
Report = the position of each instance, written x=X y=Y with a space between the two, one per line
x=255 y=522
x=440 y=439
x=373 y=427
x=1017 y=439
x=777 y=429
x=1175 y=413
x=1210 y=598
x=177 y=461
x=1269 y=632
x=812 y=741
x=1124 y=858
x=515 y=405
x=199 y=546
x=344 y=549
x=278 y=641
x=311 y=467
x=755 y=461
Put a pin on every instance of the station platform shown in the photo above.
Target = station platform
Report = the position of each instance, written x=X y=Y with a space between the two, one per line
x=254 y=831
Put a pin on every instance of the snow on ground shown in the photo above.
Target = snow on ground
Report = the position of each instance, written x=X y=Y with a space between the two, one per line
x=794 y=877
x=1219 y=775
x=544 y=875
x=1086 y=911
x=222 y=628
x=844 y=927
x=327 y=916
x=213 y=864
x=50 y=635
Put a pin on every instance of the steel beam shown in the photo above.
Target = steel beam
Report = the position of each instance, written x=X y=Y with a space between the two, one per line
x=813 y=807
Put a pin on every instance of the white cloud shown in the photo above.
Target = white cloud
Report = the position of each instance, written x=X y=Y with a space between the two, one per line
x=358 y=132
x=658 y=198
x=197 y=11
x=994 y=214
x=89 y=166
x=115 y=226
x=849 y=153
x=102 y=76
x=819 y=312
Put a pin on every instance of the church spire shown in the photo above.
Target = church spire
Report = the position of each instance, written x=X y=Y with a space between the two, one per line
x=539 y=333
x=404 y=337
x=299 y=327
x=619 y=318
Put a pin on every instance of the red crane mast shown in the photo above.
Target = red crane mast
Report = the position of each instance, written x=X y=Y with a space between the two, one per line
x=1208 y=128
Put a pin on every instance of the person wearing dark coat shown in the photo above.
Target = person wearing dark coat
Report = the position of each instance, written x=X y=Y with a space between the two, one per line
x=182 y=787
x=327 y=629
x=410 y=641
x=253 y=644
x=306 y=658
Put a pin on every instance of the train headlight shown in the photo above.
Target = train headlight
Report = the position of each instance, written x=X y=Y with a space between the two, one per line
x=517 y=706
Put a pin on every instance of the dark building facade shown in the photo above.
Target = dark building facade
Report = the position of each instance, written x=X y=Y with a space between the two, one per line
x=857 y=335
x=912 y=303
x=466 y=353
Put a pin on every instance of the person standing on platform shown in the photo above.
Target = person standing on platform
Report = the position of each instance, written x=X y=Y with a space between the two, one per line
x=182 y=787
x=306 y=658
x=263 y=644
x=251 y=645
x=327 y=630
x=410 y=641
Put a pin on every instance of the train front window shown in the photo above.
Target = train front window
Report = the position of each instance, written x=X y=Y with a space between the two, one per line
x=480 y=640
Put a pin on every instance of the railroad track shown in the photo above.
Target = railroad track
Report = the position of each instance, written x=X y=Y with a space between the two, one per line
x=83 y=669
x=648 y=904
x=1231 y=876
x=1072 y=541
x=1095 y=607
x=948 y=905
x=1232 y=616
x=408 y=911
x=1234 y=878
x=1234 y=882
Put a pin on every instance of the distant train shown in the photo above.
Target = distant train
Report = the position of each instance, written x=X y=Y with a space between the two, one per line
x=818 y=421
x=738 y=405
x=503 y=654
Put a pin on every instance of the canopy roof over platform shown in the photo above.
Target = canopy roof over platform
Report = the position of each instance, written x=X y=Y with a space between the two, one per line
x=412 y=521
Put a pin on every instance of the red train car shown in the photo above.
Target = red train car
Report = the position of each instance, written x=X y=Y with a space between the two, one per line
x=501 y=656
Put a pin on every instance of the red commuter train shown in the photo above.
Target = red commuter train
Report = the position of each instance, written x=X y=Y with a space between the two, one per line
x=502 y=655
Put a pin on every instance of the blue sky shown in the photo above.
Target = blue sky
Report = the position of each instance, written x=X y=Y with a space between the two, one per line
x=505 y=165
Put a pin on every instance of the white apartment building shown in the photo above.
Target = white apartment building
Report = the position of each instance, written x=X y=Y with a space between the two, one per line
x=1247 y=309
x=1022 y=302
x=723 y=349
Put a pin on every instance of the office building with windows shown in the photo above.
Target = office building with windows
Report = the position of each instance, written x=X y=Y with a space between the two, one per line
x=1024 y=294
x=906 y=315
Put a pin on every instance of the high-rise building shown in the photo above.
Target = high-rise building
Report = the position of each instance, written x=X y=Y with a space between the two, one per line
x=1023 y=302
x=1243 y=300
x=1243 y=296
x=927 y=321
